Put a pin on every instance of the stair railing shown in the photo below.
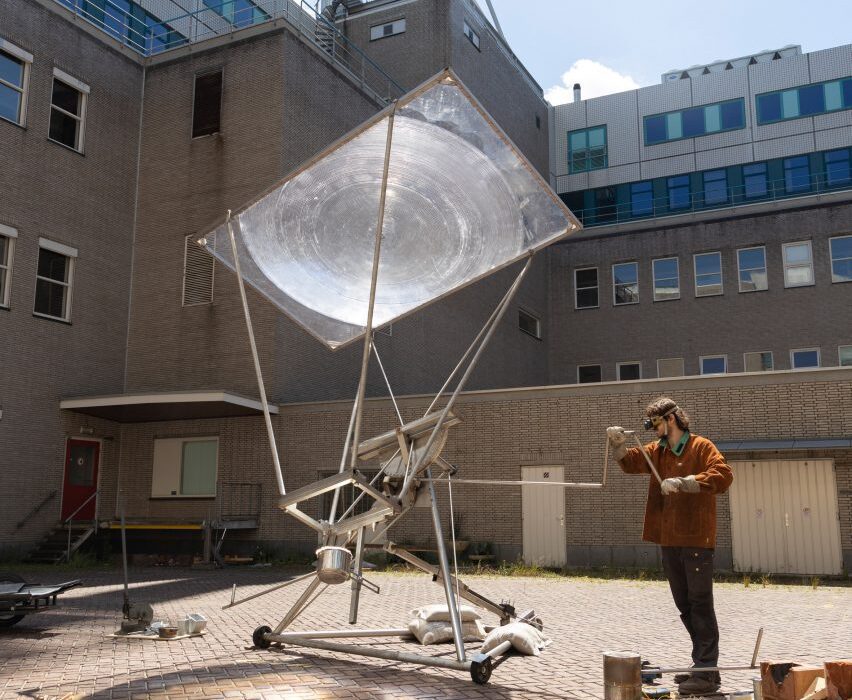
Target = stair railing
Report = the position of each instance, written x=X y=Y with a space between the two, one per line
x=29 y=516
x=69 y=520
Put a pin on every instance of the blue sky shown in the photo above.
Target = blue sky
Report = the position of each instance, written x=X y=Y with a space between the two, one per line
x=639 y=41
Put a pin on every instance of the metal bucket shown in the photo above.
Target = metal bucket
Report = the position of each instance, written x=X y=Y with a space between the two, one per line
x=622 y=676
x=333 y=564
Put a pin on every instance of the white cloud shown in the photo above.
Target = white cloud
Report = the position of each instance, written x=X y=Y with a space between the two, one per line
x=595 y=78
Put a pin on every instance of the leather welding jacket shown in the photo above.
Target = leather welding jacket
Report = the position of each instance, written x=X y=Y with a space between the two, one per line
x=682 y=519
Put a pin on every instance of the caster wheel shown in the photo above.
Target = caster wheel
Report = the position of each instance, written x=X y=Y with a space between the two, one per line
x=481 y=672
x=257 y=637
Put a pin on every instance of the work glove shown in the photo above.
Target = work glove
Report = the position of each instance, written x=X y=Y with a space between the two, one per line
x=617 y=438
x=683 y=484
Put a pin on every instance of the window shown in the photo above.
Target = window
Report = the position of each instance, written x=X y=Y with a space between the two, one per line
x=804 y=101
x=804 y=358
x=841 y=258
x=797 y=174
x=129 y=23
x=240 y=13
x=14 y=76
x=628 y=371
x=714 y=364
x=472 y=36
x=678 y=188
x=844 y=355
x=758 y=362
x=605 y=205
x=666 y=279
x=708 y=274
x=837 y=169
x=754 y=181
x=588 y=374
x=185 y=467
x=68 y=110
x=695 y=121
x=207 y=104
x=586 y=288
x=529 y=323
x=380 y=31
x=625 y=283
x=54 y=276
x=587 y=149
x=7 y=249
x=670 y=367
x=798 y=264
x=715 y=187
x=751 y=264
x=641 y=199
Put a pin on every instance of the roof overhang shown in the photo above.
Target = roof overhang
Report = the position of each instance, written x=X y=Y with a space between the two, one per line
x=785 y=445
x=163 y=406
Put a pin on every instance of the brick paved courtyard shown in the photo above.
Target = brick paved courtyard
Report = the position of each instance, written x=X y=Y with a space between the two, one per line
x=66 y=652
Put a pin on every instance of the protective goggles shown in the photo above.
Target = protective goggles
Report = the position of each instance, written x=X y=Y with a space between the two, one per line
x=654 y=421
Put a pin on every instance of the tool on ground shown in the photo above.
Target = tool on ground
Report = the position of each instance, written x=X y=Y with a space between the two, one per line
x=136 y=616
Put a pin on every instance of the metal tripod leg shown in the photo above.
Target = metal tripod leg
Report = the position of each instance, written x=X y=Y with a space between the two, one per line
x=357 y=566
x=298 y=606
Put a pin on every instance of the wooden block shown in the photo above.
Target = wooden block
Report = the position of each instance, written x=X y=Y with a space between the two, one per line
x=816 y=690
x=838 y=680
x=786 y=680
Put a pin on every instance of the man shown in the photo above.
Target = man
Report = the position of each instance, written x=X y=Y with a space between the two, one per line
x=680 y=516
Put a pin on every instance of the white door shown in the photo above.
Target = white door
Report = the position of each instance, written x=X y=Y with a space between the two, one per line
x=544 y=517
x=784 y=517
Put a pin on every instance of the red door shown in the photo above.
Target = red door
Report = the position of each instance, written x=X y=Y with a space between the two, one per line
x=81 y=478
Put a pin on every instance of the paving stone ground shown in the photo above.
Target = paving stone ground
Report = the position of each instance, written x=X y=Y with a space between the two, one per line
x=67 y=652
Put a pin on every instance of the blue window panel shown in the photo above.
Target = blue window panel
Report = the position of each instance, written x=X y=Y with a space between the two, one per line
x=674 y=126
x=715 y=187
x=811 y=100
x=117 y=21
x=841 y=259
x=678 y=188
x=625 y=280
x=790 y=104
x=587 y=149
x=754 y=181
x=833 y=96
x=752 y=269
x=11 y=70
x=797 y=174
x=805 y=358
x=641 y=199
x=733 y=114
x=655 y=129
x=93 y=9
x=10 y=103
x=713 y=118
x=693 y=122
x=769 y=108
x=837 y=168
x=605 y=205
x=847 y=93
x=713 y=365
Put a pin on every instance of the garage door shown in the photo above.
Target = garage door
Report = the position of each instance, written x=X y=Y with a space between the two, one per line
x=784 y=517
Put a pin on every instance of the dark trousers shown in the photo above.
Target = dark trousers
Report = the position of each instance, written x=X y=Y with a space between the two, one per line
x=690 y=574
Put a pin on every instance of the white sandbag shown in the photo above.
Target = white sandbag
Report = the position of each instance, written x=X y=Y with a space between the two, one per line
x=440 y=632
x=525 y=638
x=438 y=612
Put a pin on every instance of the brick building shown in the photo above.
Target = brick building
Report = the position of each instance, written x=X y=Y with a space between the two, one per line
x=124 y=368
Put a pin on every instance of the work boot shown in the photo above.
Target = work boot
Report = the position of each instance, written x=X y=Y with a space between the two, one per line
x=681 y=677
x=698 y=685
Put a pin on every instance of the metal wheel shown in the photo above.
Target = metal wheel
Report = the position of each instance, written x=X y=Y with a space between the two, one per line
x=481 y=672
x=257 y=637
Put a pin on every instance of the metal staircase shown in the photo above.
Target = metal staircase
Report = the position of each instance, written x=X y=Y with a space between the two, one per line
x=62 y=541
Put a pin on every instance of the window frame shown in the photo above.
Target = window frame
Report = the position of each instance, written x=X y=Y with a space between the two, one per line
x=840 y=349
x=647 y=189
x=832 y=260
x=695 y=257
x=522 y=311
x=671 y=359
x=827 y=162
x=202 y=74
x=680 y=112
x=393 y=24
x=787 y=266
x=600 y=374
x=628 y=363
x=83 y=90
x=71 y=254
x=181 y=441
x=588 y=158
x=11 y=235
x=672 y=188
x=740 y=269
x=654 y=277
x=796 y=89
x=789 y=186
x=597 y=288
x=470 y=33
x=746 y=176
x=616 y=285
x=759 y=352
x=793 y=352
x=724 y=178
x=701 y=359
x=26 y=59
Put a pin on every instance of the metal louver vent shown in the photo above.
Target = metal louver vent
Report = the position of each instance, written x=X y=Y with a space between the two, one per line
x=198 y=267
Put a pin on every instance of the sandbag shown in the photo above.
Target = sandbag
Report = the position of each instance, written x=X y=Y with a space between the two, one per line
x=525 y=638
x=439 y=632
x=439 y=612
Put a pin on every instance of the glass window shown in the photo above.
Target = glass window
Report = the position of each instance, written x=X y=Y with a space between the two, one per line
x=641 y=199
x=628 y=371
x=7 y=244
x=797 y=174
x=847 y=93
x=586 y=288
x=207 y=104
x=798 y=264
x=13 y=74
x=198 y=468
x=655 y=129
x=529 y=323
x=752 y=269
x=472 y=36
x=804 y=101
x=678 y=187
x=844 y=355
x=53 y=284
x=381 y=31
x=769 y=108
x=605 y=205
x=240 y=13
x=803 y=359
x=66 y=115
x=693 y=122
x=833 y=96
x=837 y=169
x=758 y=362
x=714 y=364
x=666 y=279
x=588 y=374
x=715 y=187
x=790 y=104
x=708 y=274
x=674 y=126
x=841 y=258
x=587 y=149
x=733 y=114
x=625 y=283
x=670 y=367
x=811 y=100
x=713 y=118
x=754 y=181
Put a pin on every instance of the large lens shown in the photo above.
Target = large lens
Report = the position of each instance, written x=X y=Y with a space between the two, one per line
x=648 y=423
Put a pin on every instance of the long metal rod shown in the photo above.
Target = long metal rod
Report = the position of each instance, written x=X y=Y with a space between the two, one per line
x=346 y=446
x=495 y=320
x=497 y=482
x=387 y=384
x=757 y=646
x=455 y=620
x=695 y=669
x=346 y=634
x=645 y=455
x=279 y=476
x=496 y=21
x=368 y=331
x=234 y=603
x=357 y=568
x=298 y=606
